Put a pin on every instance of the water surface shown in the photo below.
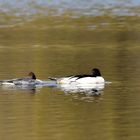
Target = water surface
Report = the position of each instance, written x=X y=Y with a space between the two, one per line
x=62 y=45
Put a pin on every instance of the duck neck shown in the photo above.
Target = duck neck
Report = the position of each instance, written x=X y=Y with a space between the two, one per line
x=34 y=77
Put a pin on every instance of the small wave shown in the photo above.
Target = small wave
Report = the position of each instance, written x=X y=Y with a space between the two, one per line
x=17 y=12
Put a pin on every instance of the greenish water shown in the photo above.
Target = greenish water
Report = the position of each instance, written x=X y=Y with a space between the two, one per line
x=59 y=46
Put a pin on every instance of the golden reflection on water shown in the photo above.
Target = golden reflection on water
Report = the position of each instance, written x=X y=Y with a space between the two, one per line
x=71 y=48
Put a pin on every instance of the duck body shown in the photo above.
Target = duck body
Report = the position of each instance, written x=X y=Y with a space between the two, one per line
x=83 y=80
x=91 y=80
x=94 y=78
x=21 y=81
x=30 y=80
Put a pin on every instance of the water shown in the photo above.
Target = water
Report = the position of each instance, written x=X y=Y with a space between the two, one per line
x=17 y=12
x=66 y=44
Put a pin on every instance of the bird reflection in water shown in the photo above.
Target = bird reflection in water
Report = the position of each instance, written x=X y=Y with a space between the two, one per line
x=86 y=92
x=29 y=88
x=93 y=89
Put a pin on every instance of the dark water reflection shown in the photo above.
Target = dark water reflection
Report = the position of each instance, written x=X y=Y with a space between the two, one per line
x=51 y=50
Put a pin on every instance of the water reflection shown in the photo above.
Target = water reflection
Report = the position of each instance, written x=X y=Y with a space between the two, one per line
x=29 y=88
x=60 y=46
x=93 y=89
x=88 y=89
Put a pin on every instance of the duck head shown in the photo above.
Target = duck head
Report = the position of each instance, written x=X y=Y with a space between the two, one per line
x=96 y=72
x=32 y=75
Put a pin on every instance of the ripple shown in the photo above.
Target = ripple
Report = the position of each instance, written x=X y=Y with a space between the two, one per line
x=13 y=12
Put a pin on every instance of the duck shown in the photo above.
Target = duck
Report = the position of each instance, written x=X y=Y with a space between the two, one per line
x=93 y=78
x=30 y=80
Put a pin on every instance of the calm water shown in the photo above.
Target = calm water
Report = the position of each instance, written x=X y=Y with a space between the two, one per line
x=62 y=45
